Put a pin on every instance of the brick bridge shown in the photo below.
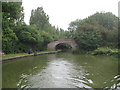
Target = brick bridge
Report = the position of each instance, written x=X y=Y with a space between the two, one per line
x=52 y=45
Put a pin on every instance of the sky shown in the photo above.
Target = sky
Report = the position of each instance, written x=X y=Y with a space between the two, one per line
x=62 y=12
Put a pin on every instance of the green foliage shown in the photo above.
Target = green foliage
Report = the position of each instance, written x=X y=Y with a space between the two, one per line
x=98 y=27
x=9 y=39
x=19 y=37
x=27 y=34
x=47 y=38
x=90 y=33
x=88 y=37
x=30 y=37
x=12 y=12
x=106 y=51
x=107 y=20
x=39 y=18
x=73 y=25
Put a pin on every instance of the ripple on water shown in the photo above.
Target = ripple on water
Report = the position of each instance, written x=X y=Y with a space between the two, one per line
x=55 y=71
x=23 y=82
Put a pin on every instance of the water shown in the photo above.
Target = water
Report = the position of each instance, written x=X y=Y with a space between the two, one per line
x=63 y=70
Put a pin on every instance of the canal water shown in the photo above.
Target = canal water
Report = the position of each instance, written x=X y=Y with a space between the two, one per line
x=62 y=70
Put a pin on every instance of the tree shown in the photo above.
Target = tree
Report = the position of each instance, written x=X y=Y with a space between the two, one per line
x=28 y=37
x=47 y=38
x=88 y=37
x=39 y=18
x=106 y=23
x=28 y=34
x=9 y=40
x=12 y=13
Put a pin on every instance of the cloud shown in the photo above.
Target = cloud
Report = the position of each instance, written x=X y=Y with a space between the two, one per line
x=62 y=12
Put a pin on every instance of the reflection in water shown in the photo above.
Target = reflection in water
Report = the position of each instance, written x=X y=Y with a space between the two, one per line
x=62 y=71
x=56 y=74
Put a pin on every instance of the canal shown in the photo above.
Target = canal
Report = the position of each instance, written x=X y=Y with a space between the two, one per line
x=62 y=70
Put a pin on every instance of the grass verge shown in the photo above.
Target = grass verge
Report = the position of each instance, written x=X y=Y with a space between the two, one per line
x=23 y=54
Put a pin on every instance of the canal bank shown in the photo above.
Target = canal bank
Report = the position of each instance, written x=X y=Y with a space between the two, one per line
x=27 y=55
x=100 y=51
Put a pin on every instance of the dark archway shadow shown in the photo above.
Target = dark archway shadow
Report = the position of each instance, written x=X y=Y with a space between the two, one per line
x=53 y=45
x=63 y=47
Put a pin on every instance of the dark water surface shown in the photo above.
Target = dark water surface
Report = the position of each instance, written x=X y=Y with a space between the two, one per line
x=63 y=70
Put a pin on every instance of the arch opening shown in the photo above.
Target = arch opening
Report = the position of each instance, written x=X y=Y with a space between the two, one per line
x=63 y=47
x=62 y=44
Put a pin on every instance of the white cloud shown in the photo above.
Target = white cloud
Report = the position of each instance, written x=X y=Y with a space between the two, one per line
x=62 y=12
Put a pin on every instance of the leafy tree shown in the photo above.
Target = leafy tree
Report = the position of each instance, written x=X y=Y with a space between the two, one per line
x=28 y=34
x=39 y=18
x=29 y=37
x=106 y=23
x=19 y=37
x=73 y=25
x=88 y=37
x=12 y=13
x=9 y=39
x=47 y=38
x=105 y=19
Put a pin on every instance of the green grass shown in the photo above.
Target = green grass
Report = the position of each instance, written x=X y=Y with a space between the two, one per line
x=22 y=54
x=46 y=51
x=13 y=55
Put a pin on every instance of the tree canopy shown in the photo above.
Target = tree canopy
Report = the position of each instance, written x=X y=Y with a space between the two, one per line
x=39 y=18
x=99 y=29
x=19 y=37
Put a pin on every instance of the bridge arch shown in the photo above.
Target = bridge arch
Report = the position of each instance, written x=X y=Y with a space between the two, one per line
x=52 y=45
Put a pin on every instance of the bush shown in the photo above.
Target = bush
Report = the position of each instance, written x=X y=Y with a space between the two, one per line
x=105 y=51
